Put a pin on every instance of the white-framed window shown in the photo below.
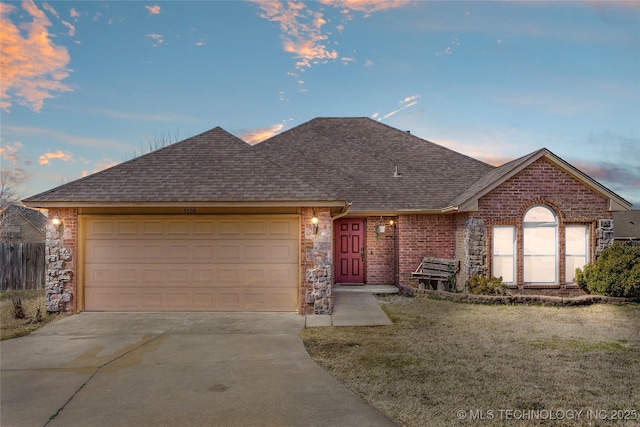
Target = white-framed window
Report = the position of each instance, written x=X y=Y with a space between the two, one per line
x=504 y=253
x=576 y=250
x=540 y=246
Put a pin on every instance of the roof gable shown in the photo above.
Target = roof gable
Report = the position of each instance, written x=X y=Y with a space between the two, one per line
x=213 y=166
x=33 y=217
x=468 y=200
x=356 y=159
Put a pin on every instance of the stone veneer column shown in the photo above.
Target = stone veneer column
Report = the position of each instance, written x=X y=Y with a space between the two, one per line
x=317 y=269
x=475 y=259
x=60 y=284
x=604 y=235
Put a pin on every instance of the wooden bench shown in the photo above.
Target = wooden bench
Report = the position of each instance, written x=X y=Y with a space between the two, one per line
x=437 y=273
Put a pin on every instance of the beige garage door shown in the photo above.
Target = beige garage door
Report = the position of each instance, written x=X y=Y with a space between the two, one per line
x=220 y=263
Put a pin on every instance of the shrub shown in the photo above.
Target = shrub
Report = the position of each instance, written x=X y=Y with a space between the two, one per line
x=616 y=272
x=482 y=285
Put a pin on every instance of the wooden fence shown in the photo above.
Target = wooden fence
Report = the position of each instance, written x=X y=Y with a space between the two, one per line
x=22 y=266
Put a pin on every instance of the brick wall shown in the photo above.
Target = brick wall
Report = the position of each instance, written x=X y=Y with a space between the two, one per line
x=380 y=251
x=542 y=184
x=61 y=262
x=423 y=235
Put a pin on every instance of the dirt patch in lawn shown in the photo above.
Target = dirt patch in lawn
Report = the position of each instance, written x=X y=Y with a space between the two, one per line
x=33 y=315
x=448 y=364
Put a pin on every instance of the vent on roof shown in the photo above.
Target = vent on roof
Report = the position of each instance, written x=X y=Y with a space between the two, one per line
x=396 y=174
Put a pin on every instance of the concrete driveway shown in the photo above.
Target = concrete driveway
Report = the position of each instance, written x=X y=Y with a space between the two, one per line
x=177 y=369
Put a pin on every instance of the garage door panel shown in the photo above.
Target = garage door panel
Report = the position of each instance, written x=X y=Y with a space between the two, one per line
x=186 y=264
x=126 y=228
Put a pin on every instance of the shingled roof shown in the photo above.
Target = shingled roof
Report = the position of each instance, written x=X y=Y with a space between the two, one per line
x=213 y=166
x=626 y=225
x=356 y=159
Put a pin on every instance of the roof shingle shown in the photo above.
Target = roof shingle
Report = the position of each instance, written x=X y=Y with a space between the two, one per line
x=355 y=159
x=213 y=166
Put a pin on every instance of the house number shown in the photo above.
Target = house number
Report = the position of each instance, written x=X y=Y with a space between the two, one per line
x=189 y=211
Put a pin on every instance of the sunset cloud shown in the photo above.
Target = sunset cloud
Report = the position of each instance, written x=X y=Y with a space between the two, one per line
x=61 y=155
x=365 y=6
x=33 y=67
x=301 y=26
x=74 y=13
x=100 y=166
x=407 y=102
x=10 y=152
x=255 y=136
x=301 y=31
x=66 y=138
x=72 y=29
x=159 y=40
x=153 y=10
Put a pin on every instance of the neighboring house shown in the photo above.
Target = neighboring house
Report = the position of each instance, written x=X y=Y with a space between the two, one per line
x=627 y=226
x=19 y=224
x=22 y=248
x=212 y=223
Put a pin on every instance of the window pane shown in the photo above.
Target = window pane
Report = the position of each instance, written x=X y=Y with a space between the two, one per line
x=540 y=241
x=576 y=240
x=539 y=269
x=573 y=262
x=503 y=239
x=539 y=214
x=503 y=267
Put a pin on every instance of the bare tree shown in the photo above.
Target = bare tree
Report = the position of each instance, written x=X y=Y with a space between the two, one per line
x=8 y=191
x=155 y=143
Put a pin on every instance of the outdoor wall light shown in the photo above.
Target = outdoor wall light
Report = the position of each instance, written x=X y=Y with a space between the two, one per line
x=56 y=221
x=314 y=224
x=391 y=222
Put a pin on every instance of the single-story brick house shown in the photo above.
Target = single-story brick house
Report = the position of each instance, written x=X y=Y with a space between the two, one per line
x=212 y=223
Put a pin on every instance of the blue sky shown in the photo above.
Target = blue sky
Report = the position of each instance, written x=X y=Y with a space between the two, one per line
x=87 y=84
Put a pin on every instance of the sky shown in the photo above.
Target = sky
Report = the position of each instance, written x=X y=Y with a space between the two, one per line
x=86 y=85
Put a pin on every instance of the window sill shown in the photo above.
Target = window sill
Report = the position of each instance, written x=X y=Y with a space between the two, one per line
x=543 y=286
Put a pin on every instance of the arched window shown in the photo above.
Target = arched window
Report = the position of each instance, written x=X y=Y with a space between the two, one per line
x=540 y=246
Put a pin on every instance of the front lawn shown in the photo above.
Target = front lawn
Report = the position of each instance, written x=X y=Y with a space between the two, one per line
x=443 y=363
x=33 y=311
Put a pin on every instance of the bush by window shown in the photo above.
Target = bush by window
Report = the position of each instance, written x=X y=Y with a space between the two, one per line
x=615 y=273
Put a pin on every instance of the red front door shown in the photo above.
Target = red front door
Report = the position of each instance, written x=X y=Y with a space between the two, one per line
x=349 y=250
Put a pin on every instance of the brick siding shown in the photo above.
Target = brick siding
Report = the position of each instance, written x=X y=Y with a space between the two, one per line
x=423 y=235
x=542 y=183
x=380 y=252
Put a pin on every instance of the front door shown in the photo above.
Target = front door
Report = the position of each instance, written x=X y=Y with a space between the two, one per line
x=349 y=250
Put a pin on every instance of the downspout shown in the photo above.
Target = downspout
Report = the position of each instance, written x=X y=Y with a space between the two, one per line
x=345 y=212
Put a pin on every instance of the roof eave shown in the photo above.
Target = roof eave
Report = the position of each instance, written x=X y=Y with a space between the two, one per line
x=160 y=204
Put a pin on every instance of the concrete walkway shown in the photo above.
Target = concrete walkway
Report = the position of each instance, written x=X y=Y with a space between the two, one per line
x=172 y=369
x=354 y=306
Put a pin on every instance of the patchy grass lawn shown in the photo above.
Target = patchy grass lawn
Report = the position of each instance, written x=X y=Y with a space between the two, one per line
x=443 y=363
x=31 y=301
